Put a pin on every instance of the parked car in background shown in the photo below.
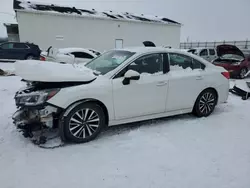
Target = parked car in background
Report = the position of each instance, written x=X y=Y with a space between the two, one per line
x=232 y=59
x=119 y=86
x=246 y=52
x=208 y=54
x=19 y=51
x=69 y=55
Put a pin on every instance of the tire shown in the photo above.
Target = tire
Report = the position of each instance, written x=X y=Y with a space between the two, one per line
x=79 y=128
x=205 y=103
x=29 y=57
x=243 y=72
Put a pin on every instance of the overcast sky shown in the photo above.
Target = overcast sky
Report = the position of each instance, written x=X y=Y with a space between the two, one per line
x=203 y=20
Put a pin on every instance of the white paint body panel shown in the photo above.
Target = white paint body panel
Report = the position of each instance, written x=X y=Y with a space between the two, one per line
x=152 y=96
x=99 y=34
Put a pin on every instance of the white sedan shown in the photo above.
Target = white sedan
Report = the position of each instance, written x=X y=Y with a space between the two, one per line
x=69 y=55
x=120 y=86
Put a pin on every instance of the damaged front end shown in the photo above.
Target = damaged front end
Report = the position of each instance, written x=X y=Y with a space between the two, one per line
x=34 y=114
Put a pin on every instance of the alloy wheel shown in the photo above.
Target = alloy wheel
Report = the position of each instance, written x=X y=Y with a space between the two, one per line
x=84 y=123
x=207 y=103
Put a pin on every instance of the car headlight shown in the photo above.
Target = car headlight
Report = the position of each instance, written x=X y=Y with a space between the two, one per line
x=35 y=98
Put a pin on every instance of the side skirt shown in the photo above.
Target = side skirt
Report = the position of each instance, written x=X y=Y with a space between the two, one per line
x=148 y=117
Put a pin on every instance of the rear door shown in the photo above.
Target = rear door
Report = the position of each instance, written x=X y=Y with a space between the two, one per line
x=6 y=51
x=20 y=50
x=186 y=81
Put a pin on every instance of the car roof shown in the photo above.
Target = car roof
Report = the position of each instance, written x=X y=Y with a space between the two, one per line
x=143 y=50
x=153 y=49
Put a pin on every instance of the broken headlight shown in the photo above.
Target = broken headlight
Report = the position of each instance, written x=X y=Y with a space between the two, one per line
x=35 y=98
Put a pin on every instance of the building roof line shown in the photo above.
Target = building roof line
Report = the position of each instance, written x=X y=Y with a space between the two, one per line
x=20 y=5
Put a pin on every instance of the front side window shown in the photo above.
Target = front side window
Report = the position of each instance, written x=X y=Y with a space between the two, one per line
x=179 y=61
x=151 y=64
x=147 y=64
x=204 y=52
x=7 y=46
x=109 y=61
x=82 y=55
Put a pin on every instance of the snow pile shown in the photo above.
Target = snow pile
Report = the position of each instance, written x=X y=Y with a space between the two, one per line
x=46 y=71
x=26 y=5
x=178 y=152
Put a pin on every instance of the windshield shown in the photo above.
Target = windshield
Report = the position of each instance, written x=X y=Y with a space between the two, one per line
x=109 y=61
x=232 y=56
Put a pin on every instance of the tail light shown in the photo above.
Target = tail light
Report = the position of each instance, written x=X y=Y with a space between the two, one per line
x=42 y=58
x=226 y=75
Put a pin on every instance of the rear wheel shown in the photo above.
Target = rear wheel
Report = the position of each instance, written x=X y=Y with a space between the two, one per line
x=84 y=123
x=243 y=72
x=205 y=103
x=29 y=57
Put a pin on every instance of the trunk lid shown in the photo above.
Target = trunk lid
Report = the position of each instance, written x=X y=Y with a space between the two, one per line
x=45 y=71
x=228 y=49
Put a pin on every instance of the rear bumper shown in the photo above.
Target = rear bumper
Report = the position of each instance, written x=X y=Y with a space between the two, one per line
x=223 y=93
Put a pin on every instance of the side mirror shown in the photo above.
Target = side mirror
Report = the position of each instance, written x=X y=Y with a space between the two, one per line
x=130 y=75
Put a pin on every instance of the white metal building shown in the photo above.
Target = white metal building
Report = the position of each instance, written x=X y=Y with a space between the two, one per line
x=57 y=26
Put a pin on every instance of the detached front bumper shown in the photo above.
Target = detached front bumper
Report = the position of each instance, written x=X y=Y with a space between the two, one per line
x=30 y=119
x=32 y=115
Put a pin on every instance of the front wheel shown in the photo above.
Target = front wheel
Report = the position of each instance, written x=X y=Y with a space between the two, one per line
x=205 y=103
x=84 y=123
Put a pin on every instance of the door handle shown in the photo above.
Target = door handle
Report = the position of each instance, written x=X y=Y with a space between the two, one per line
x=161 y=83
x=199 y=77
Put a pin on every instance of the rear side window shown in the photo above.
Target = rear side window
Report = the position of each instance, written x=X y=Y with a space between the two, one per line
x=198 y=65
x=20 y=46
x=179 y=61
x=211 y=51
x=82 y=55
x=204 y=52
x=7 y=46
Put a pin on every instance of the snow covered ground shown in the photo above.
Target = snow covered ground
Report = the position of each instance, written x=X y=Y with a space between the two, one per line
x=177 y=152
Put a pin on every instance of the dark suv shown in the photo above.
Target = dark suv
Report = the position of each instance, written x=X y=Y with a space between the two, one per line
x=19 y=51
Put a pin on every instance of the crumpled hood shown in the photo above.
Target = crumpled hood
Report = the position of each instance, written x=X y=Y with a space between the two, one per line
x=45 y=71
x=228 y=49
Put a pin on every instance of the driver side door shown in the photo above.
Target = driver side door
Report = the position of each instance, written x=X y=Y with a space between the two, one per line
x=144 y=96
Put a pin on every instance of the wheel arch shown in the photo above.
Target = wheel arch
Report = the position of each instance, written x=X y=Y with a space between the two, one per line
x=88 y=100
x=29 y=54
x=210 y=88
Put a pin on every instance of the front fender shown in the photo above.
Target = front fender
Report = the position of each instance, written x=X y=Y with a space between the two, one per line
x=100 y=92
